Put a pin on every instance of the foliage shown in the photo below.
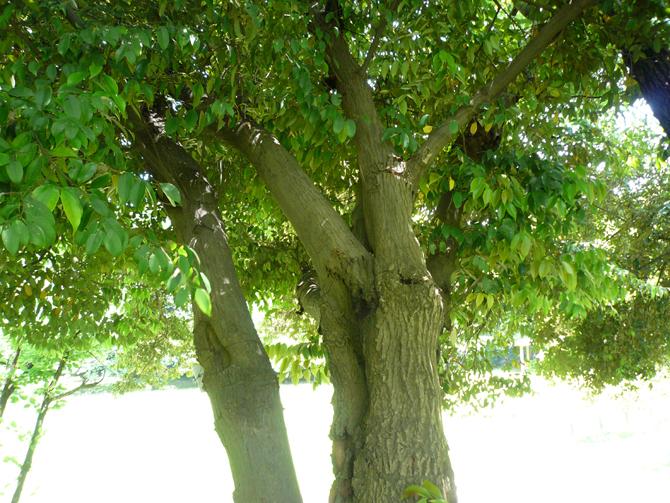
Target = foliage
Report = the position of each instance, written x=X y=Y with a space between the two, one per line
x=517 y=206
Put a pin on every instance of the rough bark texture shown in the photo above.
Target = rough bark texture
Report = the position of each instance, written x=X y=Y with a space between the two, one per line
x=242 y=387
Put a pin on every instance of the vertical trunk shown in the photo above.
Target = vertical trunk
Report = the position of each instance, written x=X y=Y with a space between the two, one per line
x=394 y=433
x=403 y=430
x=238 y=377
x=9 y=387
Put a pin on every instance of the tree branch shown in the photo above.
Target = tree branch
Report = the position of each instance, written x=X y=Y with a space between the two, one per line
x=375 y=41
x=443 y=136
x=72 y=17
x=322 y=231
x=81 y=387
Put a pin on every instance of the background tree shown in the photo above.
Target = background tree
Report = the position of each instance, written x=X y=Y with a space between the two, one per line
x=344 y=113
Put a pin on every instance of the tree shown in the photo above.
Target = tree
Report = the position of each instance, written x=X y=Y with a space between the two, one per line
x=628 y=341
x=61 y=310
x=358 y=120
x=45 y=372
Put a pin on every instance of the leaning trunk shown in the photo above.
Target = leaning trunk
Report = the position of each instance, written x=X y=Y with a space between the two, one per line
x=8 y=388
x=28 y=461
x=238 y=377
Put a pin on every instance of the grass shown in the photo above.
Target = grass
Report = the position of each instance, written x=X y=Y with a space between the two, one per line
x=160 y=446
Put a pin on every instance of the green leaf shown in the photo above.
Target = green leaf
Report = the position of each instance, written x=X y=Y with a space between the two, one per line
x=62 y=151
x=116 y=237
x=338 y=124
x=350 y=126
x=47 y=194
x=93 y=243
x=43 y=97
x=171 y=125
x=162 y=258
x=110 y=84
x=137 y=194
x=15 y=172
x=76 y=77
x=10 y=237
x=181 y=296
x=184 y=265
x=87 y=172
x=72 y=207
x=173 y=283
x=72 y=107
x=453 y=127
x=415 y=491
x=203 y=301
x=432 y=489
x=94 y=69
x=172 y=193
x=191 y=119
x=100 y=206
x=124 y=185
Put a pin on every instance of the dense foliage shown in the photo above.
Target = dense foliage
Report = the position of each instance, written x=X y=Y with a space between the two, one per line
x=534 y=212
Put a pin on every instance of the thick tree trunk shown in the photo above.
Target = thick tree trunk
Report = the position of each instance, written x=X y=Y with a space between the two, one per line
x=404 y=441
x=238 y=378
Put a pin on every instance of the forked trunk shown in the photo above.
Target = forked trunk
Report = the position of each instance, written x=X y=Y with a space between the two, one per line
x=398 y=440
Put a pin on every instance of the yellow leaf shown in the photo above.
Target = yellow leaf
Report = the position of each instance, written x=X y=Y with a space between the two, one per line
x=488 y=127
x=28 y=289
x=115 y=181
x=555 y=119
x=427 y=129
x=43 y=294
x=57 y=312
x=473 y=128
x=451 y=183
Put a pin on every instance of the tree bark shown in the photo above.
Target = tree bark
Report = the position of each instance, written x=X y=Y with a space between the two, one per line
x=238 y=377
x=9 y=388
x=653 y=74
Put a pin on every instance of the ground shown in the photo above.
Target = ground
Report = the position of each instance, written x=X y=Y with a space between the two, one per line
x=148 y=446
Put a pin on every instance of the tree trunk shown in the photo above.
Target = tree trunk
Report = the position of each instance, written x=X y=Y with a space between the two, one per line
x=34 y=439
x=238 y=377
x=9 y=388
x=404 y=441
x=44 y=408
x=653 y=74
x=28 y=461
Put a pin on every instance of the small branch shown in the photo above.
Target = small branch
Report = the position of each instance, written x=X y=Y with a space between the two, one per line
x=511 y=18
x=82 y=386
x=73 y=18
x=375 y=41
